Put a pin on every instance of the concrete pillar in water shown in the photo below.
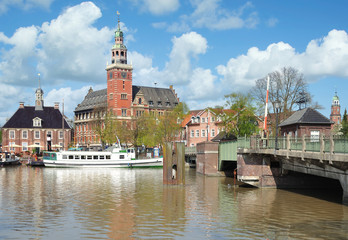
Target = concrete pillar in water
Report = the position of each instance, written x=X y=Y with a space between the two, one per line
x=174 y=163
x=344 y=184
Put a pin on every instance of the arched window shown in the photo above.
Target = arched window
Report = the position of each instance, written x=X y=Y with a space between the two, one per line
x=139 y=100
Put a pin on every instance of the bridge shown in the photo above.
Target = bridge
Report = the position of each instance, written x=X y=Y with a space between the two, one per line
x=271 y=162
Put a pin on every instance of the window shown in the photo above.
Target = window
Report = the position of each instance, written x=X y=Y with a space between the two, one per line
x=315 y=136
x=124 y=112
x=25 y=146
x=71 y=156
x=212 y=132
x=12 y=134
x=192 y=133
x=89 y=157
x=203 y=120
x=77 y=157
x=60 y=134
x=203 y=133
x=95 y=157
x=108 y=157
x=123 y=85
x=37 y=134
x=213 y=119
x=139 y=100
x=111 y=96
x=37 y=122
x=25 y=134
x=121 y=156
x=65 y=157
x=168 y=104
x=151 y=103
x=83 y=157
x=159 y=103
x=197 y=133
x=101 y=157
x=123 y=96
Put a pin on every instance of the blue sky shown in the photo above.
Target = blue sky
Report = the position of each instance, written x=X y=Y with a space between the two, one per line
x=204 y=48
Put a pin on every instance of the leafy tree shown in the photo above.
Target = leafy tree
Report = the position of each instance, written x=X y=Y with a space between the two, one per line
x=239 y=117
x=344 y=124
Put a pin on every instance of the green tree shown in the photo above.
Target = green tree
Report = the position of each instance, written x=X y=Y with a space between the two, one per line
x=239 y=116
x=344 y=124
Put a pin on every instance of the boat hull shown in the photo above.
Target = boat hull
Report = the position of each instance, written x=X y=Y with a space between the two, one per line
x=154 y=162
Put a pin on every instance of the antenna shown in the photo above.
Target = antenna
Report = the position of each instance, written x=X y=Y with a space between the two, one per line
x=39 y=80
x=155 y=84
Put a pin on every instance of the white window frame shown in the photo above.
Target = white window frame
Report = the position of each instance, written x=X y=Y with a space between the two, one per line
x=12 y=134
x=212 y=132
x=197 y=133
x=203 y=132
x=192 y=133
x=25 y=146
x=35 y=134
x=203 y=120
x=61 y=134
x=26 y=132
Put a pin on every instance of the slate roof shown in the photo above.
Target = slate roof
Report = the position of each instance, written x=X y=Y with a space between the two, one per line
x=23 y=118
x=93 y=99
x=99 y=98
x=306 y=116
x=156 y=95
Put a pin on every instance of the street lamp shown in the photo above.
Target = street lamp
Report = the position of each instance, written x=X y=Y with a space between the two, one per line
x=277 y=109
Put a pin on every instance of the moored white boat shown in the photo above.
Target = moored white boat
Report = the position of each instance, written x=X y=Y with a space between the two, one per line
x=112 y=157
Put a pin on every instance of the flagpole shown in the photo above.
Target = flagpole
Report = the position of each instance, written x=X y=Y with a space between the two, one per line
x=63 y=123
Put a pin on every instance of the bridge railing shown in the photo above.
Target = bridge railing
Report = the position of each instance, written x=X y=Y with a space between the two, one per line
x=334 y=144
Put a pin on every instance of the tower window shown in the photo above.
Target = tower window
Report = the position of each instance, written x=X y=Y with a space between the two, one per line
x=123 y=85
x=123 y=96
x=139 y=101
x=122 y=54
x=110 y=75
x=116 y=53
x=113 y=54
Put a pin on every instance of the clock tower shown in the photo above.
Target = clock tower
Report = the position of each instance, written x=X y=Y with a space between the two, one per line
x=39 y=98
x=335 y=115
x=119 y=78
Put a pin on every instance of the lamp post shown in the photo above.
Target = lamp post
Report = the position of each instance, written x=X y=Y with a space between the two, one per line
x=277 y=108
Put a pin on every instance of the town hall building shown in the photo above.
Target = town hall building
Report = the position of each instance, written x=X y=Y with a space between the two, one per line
x=121 y=97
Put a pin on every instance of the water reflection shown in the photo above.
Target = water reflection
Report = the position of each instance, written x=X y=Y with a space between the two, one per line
x=54 y=203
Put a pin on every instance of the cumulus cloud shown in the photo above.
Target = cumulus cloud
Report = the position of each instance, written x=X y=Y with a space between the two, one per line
x=157 y=7
x=210 y=14
x=67 y=48
x=24 y=4
x=323 y=57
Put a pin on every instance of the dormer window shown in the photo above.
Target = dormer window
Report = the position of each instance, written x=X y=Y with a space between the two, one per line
x=151 y=103
x=168 y=104
x=37 y=122
x=159 y=103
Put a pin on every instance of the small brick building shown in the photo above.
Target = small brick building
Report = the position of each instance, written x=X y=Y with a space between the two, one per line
x=307 y=121
x=35 y=127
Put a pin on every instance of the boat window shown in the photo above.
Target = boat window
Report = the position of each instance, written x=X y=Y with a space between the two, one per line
x=101 y=157
x=77 y=157
x=108 y=157
x=83 y=157
x=71 y=156
x=65 y=157
x=89 y=157
x=95 y=157
x=121 y=156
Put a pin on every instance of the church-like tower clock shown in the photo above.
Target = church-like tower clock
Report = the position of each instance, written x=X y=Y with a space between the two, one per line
x=119 y=78
x=335 y=115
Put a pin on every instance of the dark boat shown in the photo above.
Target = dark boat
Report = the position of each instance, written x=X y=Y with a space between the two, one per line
x=8 y=159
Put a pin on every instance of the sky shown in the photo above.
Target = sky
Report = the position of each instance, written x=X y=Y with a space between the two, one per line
x=206 y=49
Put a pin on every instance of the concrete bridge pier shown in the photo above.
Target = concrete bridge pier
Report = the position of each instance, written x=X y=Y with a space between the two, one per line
x=344 y=183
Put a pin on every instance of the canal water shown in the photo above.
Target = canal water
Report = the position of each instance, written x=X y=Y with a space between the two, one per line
x=50 y=203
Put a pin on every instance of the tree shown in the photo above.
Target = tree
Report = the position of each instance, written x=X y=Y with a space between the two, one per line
x=344 y=124
x=239 y=117
x=287 y=86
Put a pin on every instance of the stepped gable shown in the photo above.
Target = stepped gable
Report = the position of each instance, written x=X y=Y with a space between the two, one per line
x=306 y=116
x=93 y=99
x=23 y=118
x=156 y=95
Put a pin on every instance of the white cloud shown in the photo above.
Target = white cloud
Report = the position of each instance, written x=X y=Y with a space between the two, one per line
x=67 y=48
x=24 y=4
x=157 y=7
x=209 y=14
x=323 y=57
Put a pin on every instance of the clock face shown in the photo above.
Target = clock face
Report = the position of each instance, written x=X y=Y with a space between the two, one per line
x=124 y=74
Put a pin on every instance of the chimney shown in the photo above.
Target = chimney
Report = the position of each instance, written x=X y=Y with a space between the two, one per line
x=21 y=104
x=56 y=105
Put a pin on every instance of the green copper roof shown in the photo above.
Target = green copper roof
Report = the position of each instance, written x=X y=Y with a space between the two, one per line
x=118 y=32
x=335 y=98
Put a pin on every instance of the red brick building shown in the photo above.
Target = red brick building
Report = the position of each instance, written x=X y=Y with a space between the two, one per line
x=36 y=127
x=307 y=121
x=125 y=100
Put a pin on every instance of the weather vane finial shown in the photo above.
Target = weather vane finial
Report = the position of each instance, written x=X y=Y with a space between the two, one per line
x=39 y=80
